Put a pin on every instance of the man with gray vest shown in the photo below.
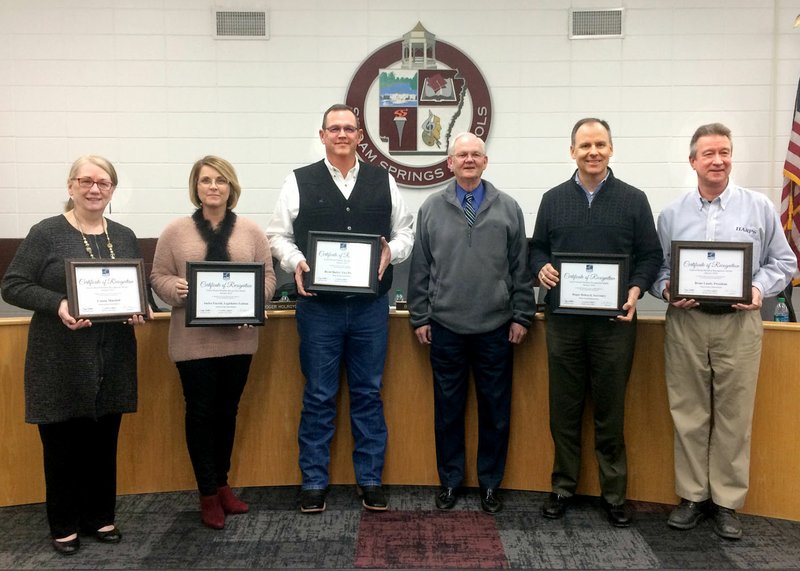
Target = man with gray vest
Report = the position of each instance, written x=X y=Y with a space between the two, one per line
x=341 y=194
x=470 y=297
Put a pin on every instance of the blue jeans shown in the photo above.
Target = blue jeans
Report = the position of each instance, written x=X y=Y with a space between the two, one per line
x=356 y=330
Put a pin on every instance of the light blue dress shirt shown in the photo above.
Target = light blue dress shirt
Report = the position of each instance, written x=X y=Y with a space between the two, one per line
x=736 y=215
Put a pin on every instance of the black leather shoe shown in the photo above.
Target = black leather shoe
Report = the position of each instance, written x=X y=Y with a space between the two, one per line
x=374 y=499
x=113 y=535
x=726 y=524
x=70 y=547
x=619 y=515
x=688 y=514
x=312 y=501
x=446 y=498
x=555 y=506
x=490 y=501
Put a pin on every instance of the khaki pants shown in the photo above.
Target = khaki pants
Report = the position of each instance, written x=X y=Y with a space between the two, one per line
x=712 y=366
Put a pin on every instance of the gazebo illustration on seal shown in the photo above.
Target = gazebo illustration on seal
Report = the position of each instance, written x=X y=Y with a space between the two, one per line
x=417 y=98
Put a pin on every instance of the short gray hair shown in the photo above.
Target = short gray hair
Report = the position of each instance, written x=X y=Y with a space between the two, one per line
x=705 y=131
x=453 y=141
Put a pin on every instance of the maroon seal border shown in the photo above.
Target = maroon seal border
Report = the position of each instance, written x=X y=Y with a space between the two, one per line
x=387 y=55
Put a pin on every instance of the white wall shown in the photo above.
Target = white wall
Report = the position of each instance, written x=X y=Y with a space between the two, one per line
x=144 y=83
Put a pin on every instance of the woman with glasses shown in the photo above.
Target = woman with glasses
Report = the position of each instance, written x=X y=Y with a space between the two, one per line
x=80 y=376
x=213 y=362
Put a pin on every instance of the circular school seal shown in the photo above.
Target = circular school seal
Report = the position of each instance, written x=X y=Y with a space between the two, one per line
x=412 y=96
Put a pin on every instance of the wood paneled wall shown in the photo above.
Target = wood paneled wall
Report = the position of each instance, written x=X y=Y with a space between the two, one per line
x=153 y=457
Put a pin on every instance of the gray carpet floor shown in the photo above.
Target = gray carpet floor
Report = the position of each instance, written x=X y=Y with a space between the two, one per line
x=163 y=531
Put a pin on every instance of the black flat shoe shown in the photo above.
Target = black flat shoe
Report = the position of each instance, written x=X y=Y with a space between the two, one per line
x=113 y=535
x=555 y=506
x=619 y=515
x=70 y=547
x=373 y=498
x=313 y=501
x=490 y=501
x=446 y=498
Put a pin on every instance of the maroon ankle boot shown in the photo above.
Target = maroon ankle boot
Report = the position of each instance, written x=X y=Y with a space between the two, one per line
x=211 y=513
x=230 y=503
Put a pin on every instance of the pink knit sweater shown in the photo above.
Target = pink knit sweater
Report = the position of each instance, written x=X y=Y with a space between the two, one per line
x=181 y=242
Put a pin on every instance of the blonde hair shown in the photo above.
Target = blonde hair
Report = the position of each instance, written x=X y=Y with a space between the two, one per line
x=96 y=160
x=225 y=169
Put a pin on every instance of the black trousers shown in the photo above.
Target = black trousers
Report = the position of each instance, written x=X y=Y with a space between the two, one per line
x=80 y=473
x=589 y=355
x=490 y=357
x=212 y=389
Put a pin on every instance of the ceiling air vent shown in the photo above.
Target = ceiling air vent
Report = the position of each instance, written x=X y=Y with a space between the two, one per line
x=585 y=24
x=241 y=25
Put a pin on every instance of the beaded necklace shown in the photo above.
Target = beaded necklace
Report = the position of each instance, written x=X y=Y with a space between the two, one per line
x=86 y=245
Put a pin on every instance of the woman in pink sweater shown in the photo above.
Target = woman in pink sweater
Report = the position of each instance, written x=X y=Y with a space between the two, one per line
x=213 y=362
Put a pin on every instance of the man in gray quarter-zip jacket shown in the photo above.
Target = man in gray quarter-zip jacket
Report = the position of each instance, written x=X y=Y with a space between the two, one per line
x=471 y=299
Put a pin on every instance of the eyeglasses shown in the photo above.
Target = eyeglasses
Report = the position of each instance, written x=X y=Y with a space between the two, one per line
x=336 y=129
x=219 y=181
x=86 y=183
x=463 y=156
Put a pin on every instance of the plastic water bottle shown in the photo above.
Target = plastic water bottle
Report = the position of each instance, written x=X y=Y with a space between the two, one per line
x=284 y=296
x=399 y=301
x=781 y=311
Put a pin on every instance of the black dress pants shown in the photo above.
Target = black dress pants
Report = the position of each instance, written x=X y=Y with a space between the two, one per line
x=589 y=356
x=80 y=473
x=212 y=388
x=490 y=357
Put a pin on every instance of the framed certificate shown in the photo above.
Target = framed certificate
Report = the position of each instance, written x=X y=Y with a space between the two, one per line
x=343 y=263
x=590 y=284
x=712 y=272
x=225 y=293
x=105 y=290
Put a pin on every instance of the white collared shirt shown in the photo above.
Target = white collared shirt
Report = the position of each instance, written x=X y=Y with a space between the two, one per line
x=280 y=229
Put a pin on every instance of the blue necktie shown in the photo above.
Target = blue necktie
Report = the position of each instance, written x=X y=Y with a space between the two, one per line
x=469 y=212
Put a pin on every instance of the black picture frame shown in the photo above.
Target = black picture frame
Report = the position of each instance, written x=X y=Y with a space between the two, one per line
x=234 y=284
x=107 y=290
x=333 y=274
x=685 y=252
x=583 y=284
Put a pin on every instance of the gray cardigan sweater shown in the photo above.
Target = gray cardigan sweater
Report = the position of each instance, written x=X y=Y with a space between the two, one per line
x=471 y=280
x=86 y=373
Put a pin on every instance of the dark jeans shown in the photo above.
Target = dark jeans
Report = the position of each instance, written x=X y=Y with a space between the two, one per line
x=80 y=473
x=594 y=355
x=354 y=331
x=490 y=356
x=212 y=389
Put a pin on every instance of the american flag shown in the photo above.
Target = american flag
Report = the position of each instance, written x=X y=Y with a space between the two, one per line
x=790 y=197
